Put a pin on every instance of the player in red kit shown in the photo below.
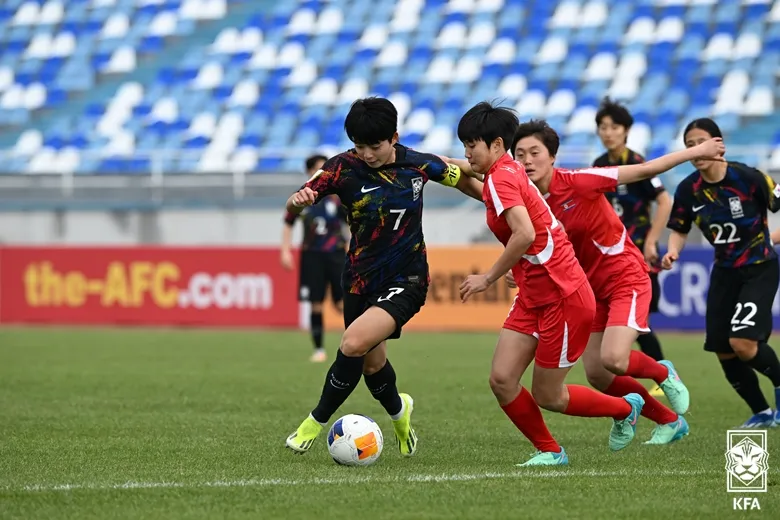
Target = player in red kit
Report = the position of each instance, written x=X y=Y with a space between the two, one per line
x=615 y=269
x=551 y=316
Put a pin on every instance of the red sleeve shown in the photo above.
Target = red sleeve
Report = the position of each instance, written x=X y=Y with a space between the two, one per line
x=505 y=190
x=590 y=182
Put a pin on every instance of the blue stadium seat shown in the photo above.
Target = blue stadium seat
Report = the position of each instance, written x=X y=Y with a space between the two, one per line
x=291 y=78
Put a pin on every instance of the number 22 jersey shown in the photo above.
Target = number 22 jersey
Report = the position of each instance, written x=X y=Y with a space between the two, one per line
x=732 y=213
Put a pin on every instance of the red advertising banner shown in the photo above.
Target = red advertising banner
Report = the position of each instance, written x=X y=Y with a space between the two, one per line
x=147 y=286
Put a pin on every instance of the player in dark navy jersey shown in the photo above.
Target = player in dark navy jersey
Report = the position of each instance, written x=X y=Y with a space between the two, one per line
x=729 y=201
x=322 y=255
x=633 y=204
x=385 y=280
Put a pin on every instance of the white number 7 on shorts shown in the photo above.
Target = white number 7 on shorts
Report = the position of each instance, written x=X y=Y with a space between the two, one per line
x=393 y=292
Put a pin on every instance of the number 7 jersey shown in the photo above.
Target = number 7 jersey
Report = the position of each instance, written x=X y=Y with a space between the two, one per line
x=732 y=213
x=384 y=210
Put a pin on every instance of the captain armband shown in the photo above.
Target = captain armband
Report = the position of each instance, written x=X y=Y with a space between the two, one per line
x=451 y=176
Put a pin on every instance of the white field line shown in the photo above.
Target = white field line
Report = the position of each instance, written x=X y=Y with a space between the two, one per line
x=357 y=479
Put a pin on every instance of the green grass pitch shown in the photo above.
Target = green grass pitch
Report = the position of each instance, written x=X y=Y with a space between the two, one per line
x=138 y=423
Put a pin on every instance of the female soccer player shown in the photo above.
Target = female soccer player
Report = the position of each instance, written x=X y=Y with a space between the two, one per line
x=550 y=319
x=728 y=201
x=615 y=268
x=633 y=203
x=385 y=280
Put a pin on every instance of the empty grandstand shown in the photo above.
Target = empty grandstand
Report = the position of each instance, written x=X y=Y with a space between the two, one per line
x=164 y=87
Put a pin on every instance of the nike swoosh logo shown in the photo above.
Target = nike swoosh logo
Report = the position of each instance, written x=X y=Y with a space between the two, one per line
x=697 y=208
x=364 y=190
x=738 y=327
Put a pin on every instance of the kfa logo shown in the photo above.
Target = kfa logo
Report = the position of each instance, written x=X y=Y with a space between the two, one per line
x=747 y=465
x=417 y=186
x=736 y=207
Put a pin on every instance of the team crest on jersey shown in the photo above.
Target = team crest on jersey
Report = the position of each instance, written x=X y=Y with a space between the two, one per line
x=569 y=204
x=622 y=189
x=417 y=186
x=735 y=205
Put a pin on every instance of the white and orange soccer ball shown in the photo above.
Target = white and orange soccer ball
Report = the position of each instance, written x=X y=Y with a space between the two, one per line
x=355 y=440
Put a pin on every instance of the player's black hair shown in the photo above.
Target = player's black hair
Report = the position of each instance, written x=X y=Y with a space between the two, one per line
x=617 y=112
x=703 y=123
x=371 y=120
x=314 y=159
x=487 y=122
x=542 y=131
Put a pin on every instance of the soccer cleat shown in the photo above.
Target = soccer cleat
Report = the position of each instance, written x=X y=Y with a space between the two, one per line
x=546 y=458
x=304 y=436
x=656 y=391
x=760 y=420
x=675 y=390
x=624 y=430
x=407 y=439
x=777 y=406
x=668 y=433
x=319 y=356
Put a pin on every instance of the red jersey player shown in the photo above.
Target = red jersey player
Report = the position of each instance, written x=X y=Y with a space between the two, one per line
x=551 y=317
x=615 y=269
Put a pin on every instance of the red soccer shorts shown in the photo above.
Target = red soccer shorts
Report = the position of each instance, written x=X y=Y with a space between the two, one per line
x=562 y=328
x=627 y=306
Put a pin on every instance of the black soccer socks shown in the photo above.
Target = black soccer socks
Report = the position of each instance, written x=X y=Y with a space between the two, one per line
x=382 y=386
x=343 y=376
x=766 y=362
x=649 y=344
x=745 y=382
x=316 y=329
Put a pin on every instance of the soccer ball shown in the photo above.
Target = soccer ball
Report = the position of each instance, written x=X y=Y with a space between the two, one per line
x=355 y=440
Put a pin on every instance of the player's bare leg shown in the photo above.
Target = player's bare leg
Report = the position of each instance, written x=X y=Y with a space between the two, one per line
x=315 y=321
x=671 y=426
x=763 y=359
x=514 y=353
x=368 y=330
x=381 y=381
x=552 y=394
x=620 y=358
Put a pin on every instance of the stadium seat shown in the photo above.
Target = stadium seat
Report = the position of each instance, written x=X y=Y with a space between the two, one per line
x=283 y=77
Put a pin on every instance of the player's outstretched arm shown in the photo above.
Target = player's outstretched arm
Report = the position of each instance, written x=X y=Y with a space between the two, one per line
x=470 y=186
x=464 y=166
x=676 y=244
x=300 y=199
x=712 y=150
x=662 y=212
x=523 y=235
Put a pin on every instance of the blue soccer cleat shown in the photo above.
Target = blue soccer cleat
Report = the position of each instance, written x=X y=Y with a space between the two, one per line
x=760 y=420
